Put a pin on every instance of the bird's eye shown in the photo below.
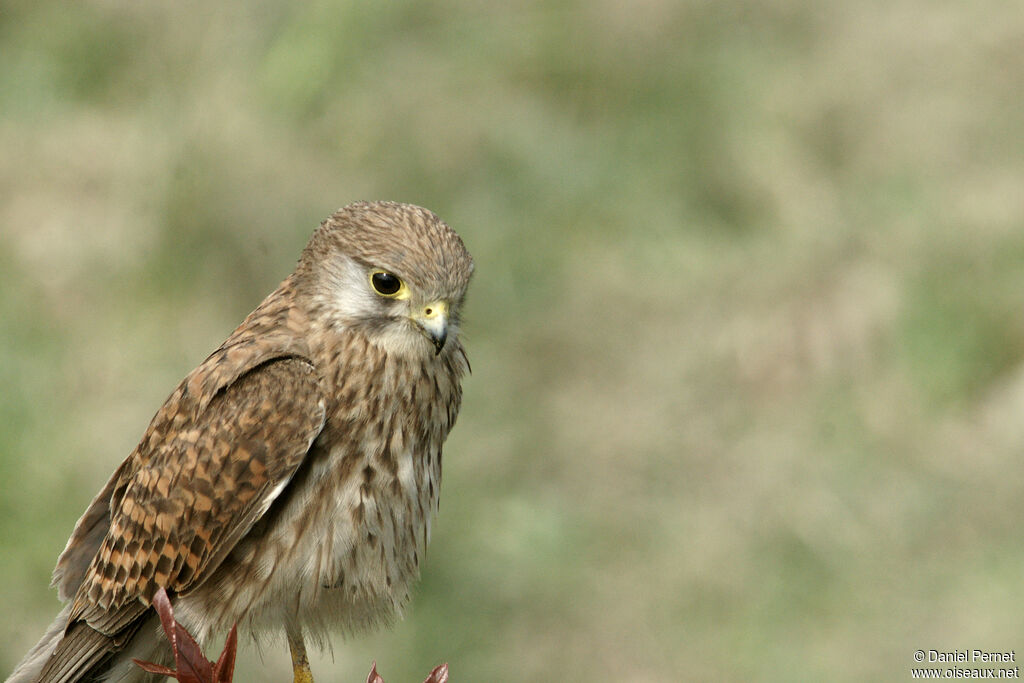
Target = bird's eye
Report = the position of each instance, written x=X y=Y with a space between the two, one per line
x=386 y=284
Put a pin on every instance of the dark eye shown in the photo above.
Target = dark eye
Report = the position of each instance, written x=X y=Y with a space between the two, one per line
x=385 y=283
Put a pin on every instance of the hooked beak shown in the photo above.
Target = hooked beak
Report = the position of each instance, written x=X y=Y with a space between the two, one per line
x=433 y=322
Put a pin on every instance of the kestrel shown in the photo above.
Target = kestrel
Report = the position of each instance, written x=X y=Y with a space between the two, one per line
x=288 y=483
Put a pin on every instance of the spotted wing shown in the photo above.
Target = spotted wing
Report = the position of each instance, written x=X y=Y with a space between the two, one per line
x=200 y=479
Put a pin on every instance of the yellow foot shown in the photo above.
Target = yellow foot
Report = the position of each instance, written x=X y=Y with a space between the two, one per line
x=300 y=662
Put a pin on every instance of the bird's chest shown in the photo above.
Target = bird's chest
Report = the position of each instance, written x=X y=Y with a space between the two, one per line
x=376 y=524
x=361 y=507
x=375 y=484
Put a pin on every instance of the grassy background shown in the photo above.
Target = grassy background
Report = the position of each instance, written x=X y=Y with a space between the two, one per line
x=747 y=328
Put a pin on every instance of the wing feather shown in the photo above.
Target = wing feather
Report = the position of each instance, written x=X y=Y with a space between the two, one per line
x=207 y=469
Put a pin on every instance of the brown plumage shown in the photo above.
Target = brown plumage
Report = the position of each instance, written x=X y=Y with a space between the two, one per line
x=289 y=481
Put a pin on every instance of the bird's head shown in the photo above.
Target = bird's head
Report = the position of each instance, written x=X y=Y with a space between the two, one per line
x=395 y=272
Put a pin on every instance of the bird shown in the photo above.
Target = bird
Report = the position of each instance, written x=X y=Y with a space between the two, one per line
x=289 y=482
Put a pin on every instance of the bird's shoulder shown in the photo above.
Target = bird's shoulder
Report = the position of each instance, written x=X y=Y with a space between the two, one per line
x=258 y=390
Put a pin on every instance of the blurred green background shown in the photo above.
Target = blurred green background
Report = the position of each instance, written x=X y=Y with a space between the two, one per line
x=747 y=327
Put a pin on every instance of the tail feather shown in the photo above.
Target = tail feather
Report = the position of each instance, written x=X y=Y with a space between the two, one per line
x=31 y=667
x=76 y=655
x=83 y=655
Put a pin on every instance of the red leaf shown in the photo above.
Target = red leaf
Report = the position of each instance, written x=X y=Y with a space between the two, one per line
x=192 y=666
x=374 y=677
x=438 y=675
x=162 y=605
x=154 y=668
x=224 y=669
